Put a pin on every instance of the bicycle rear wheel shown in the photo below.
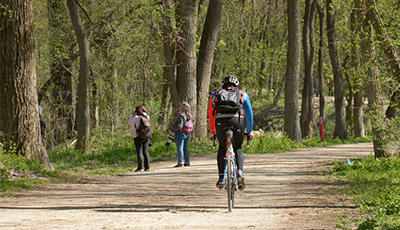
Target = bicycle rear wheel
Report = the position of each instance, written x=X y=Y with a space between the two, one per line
x=229 y=184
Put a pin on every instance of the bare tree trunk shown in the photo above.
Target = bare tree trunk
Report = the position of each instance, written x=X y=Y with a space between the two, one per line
x=339 y=83
x=19 y=116
x=186 y=54
x=292 y=122
x=82 y=120
x=170 y=91
x=374 y=91
x=321 y=80
x=358 y=112
x=307 y=105
x=204 y=64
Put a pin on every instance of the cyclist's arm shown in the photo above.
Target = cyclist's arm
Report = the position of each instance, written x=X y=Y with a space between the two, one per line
x=211 y=114
x=248 y=112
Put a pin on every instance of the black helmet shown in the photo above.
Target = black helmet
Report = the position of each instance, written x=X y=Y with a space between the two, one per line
x=230 y=79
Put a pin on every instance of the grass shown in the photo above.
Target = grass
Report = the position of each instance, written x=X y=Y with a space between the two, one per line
x=375 y=186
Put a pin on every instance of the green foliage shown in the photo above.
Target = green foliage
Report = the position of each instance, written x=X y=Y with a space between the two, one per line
x=375 y=185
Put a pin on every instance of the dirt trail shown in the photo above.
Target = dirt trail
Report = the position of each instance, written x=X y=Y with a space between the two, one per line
x=284 y=191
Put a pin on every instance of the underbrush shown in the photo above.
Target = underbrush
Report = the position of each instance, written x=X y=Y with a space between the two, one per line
x=111 y=156
x=375 y=186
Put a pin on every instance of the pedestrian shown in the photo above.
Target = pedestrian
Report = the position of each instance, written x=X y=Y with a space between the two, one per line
x=141 y=145
x=42 y=125
x=222 y=115
x=330 y=85
x=182 y=135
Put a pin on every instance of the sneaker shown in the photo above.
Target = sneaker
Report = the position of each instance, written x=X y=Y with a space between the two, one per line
x=241 y=184
x=147 y=170
x=178 y=165
x=187 y=164
x=139 y=170
x=220 y=184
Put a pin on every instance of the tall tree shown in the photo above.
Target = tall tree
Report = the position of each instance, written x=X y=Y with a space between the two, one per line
x=321 y=80
x=204 y=64
x=82 y=121
x=19 y=116
x=358 y=112
x=307 y=105
x=186 y=53
x=388 y=48
x=291 y=117
x=339 y=83
x=170 y=92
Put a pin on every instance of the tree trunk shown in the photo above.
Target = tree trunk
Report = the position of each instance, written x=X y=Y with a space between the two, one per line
x=292 y=123
x=170 y=92
x=307 y=105
x=357 y=80
x=339 y=83
x=19 y=116
x=374 y=90
x=186 y=54
x=390 y=53
x=82 y=121
x=204 y=64
x=321 y=79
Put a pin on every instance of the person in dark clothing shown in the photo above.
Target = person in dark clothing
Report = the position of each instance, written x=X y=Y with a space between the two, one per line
x=42 y=125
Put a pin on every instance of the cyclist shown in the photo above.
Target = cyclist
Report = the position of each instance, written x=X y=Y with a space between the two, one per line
x=219 y=120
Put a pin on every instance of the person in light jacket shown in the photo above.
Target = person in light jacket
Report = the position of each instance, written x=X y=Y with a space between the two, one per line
x=141 y=145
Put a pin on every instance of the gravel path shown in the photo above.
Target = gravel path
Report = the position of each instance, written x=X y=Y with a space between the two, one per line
x=283 y=191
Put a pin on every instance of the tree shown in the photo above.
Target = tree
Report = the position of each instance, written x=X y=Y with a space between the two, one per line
x=204 y=64
x=357 y=80
x=82 y=121
x=186 y=53
x=19 y=116
x=321 y=80
x=307 y=105
x=382 y=128
x=170 y=91
x=292 y=123
x=339 y=83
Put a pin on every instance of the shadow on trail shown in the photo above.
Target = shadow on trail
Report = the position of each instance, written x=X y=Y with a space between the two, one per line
x=173 y=208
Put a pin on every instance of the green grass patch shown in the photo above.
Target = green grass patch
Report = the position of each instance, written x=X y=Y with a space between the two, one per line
x=375 y=186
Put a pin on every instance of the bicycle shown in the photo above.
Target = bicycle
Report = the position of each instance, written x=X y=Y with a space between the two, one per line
x=230 y=172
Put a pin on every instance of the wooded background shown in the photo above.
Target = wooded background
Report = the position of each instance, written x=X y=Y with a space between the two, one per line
x=95 y=61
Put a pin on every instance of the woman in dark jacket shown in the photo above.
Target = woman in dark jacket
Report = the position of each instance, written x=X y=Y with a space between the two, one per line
x=182 y=137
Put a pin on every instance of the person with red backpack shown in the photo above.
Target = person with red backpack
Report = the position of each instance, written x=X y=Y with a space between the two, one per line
x=182 y=128
x=138 y=118
x=227 y=108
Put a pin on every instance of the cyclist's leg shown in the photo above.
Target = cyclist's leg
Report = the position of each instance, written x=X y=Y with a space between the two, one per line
x=222 y=146
x=238 y=138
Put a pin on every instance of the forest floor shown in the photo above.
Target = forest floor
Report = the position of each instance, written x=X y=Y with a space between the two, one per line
x=283 y=191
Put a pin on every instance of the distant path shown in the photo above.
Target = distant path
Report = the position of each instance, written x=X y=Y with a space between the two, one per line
x=284 y=191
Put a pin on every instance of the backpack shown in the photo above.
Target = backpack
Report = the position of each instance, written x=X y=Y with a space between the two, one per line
x=188 y=127
x=144 y=131
x=228 y=100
